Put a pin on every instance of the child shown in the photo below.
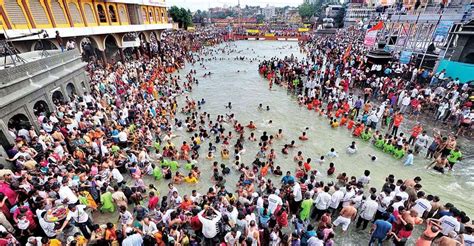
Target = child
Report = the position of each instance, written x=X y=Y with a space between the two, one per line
x=373 y=157
x=331 y=169
x=365 y=179
x=332 y=153
x=409 y=160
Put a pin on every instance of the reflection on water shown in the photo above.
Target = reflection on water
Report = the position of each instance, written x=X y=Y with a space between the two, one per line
x=246 y=90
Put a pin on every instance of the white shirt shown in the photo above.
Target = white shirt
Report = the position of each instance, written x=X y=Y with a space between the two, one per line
x=322 y=201
x=150 y=228
x=314 y=241
x=117 y=175
x=403 y=195
x=273 y=202
x=468 y=240
x=79 y=216
x=122 y=136
x=364 y=179
x=230 y=240
x=209 y=226
x=336 y=199
x=48 y=228
x=449 y=224
x=297 y=192
x=66 y=192
x=422 y=205
x=369 y=208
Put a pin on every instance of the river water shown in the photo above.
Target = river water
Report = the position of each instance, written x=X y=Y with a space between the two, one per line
x=247 y=89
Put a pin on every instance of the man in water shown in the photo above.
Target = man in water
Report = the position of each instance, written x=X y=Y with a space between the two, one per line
x=440 y=162
x=346 y=215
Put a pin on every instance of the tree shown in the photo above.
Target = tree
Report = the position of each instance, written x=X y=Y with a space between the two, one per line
x=306 y=10
x=260 y=18
x=182 y=16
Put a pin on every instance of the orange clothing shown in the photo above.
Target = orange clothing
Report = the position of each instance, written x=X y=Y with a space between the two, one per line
x=264 y=170
x=343 y=121
x=307 y=167
x=350 y=125
x=416 y=130
x=358 y=131
x=397 y=120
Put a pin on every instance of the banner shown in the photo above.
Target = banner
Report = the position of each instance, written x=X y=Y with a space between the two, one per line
x=303 y=29
x=252 y=31
x=347 y=53
x=460 y=70
x=269 y=34
x=405 y=57
x=442 y=31
x=378 y=26
x=370 y=38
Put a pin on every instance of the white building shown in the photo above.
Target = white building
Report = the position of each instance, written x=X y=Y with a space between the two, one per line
x=269 y=12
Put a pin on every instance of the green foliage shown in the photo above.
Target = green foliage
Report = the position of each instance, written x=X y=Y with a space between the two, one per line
x=199 y=16
x=306 y=10
x=260 y=18
x=182 y=16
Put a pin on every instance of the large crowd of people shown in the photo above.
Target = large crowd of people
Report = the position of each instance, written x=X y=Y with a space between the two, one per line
x=93 y=153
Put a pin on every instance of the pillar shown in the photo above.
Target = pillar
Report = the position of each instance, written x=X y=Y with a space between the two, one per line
x=138 y=53
x=104 y=57
x=122 y=57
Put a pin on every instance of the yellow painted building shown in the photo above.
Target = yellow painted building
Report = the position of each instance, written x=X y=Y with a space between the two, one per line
x=78 y=19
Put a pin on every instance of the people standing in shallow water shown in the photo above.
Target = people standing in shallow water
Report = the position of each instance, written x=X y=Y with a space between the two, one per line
x=178 y=217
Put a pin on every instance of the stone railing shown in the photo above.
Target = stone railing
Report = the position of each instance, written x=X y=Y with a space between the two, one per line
x=18 y=73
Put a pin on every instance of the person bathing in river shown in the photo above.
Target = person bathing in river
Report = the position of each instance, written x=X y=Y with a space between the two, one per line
x=303 y=137
x=251 y=126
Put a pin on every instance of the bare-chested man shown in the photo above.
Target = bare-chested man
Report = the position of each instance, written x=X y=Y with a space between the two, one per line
x=346 y=215
x=440 y=162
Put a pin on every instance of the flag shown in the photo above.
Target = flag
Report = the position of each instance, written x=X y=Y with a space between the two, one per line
x=347 y=53
x=378 y=26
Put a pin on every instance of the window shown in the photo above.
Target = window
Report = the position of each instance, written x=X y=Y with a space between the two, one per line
x=144 y=14
x=101 y=11
x=150 y=15
x=113 y=16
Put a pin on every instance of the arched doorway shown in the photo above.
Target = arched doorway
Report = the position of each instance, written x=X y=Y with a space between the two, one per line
x=71 y=90
x=89 y=49
x=43 y=44
x=111 y=48
x=40 y=107
x=153 y=43
x=58 y=97
x=83 y=85
x=19 y=121
x=143 y=44
x=130 y=41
